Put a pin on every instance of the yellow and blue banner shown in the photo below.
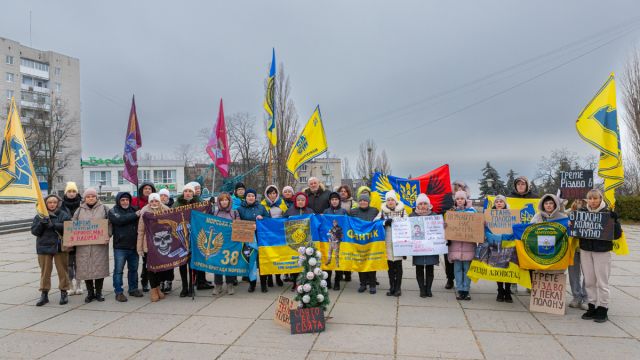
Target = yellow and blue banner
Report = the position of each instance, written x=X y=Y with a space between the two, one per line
x=213 y=250
x=527 y=207
x=18 y=180
x=270 y=102
x=544 y=246
x=279 y=241
x=312 y=142
x=498 y=262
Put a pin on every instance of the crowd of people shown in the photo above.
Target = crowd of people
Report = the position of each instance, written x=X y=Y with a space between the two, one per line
x=589 y=276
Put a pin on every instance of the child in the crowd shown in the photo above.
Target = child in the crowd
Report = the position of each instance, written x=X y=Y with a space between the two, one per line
x=504 y=289
x=276 y=207
x=251 y=210
x=392 y=209
x=550 y=208
x=224 y=210
x=461 y=252
x=576 y=280
x=335 y=208
x=238 y=195
x=367 y=213
x=595 y=259
x=287 y=196
x=424 y=264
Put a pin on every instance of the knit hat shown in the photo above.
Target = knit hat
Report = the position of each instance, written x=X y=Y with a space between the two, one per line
x=154 y=196
x=188 y=187
x=164 y=192
x=423 y=198
x=334 y=195
x=501 y=197
x=460 y=194
x=195 y=184
x=250 y=191
x=391 y=194
x=239 y=185
x=287 y=188
x=89 y=191
x=364 y=197
x=71 y=186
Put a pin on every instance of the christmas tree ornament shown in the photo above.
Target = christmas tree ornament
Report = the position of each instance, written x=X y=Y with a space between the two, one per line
x=317 y=271
x=320 y=298
x=313 y=261
x=323 y=283
x=300 y=289
x=306 y=287
x=306 y=299
x=310 y=275
x=318 y=254
x=325 y=275
x=309 y=251
x=301 y=250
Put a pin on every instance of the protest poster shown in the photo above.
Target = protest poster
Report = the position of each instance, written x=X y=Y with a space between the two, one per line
x=284 y=305
x=418 y=235
x=243 y=231
x=527 y=207
x=85 y=232
x=591 y=225
x=464 y=226
x=548 y=292
x=575 y=184
x=501 y=221
x=307 y=320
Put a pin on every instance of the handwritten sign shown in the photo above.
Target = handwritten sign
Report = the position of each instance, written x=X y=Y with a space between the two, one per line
x=284 y=305
x=418 y=235
x=548 y=292
x=307 y=320
x=575 y=184
x=243 y=230
x=464 y=226
x=85 y=232
x=591 y=225
x=501 y=221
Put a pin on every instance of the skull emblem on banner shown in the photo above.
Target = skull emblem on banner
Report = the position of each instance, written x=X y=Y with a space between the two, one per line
x=162 y=240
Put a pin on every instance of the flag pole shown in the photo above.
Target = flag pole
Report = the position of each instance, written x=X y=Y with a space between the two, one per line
x=269 y=173
x=213 y=184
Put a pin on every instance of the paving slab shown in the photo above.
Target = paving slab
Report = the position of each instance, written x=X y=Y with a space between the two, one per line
x=574 y=325
x=97 y=348
x=23 y=316
x=176 y=305
x=237 y=307
x=499 y=345
x=438 y=343
x=586 y=347
x=209 y=330
x=440 y=318
x=352 y=313
x=357 y=339
x=141 y=326
x=322 y=355
x=31 y=344
x=165 y=350
x=264 y=334
x=79 y=322
x=248 y=353
x=504 y=321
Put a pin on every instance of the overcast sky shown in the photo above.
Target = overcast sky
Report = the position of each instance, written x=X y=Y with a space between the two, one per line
x=458 y=82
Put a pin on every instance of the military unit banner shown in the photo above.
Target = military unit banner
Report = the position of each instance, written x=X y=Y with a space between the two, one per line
x=212 y=249
x=279 y=241
x=498 y=263
x=527 y=207
x=544 y=246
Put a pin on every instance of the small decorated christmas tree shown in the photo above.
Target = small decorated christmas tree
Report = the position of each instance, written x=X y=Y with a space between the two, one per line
x=312 y=289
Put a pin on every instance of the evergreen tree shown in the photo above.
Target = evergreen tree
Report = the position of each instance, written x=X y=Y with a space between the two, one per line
x=312 y=291
x=534 y=188
x=491 y=184
x=511 y=177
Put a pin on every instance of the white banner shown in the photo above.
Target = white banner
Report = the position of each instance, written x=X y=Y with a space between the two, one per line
x=418 y=235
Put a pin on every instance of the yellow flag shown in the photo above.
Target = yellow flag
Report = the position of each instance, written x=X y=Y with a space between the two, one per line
x=18 y=181
x=311 y=143
x=270 y=102
x=597 y=124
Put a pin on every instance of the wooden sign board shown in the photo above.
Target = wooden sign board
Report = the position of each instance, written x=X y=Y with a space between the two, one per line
x=464 y=226
x=501 y=221
x=284 y=305
x=591 y=225
x=307 y=320
x=85 y=232
x=575 y=184
x=548 y=292
x=243 y=230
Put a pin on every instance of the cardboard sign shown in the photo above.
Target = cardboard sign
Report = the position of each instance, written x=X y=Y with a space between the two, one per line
x=464 y=226
x=243 y=230
x=501 y=221
x=307 y=320
x=548 y=292
x=575 y=184
x=418 y=235
x=591 y=225
x=85 y=232
x=284 y=305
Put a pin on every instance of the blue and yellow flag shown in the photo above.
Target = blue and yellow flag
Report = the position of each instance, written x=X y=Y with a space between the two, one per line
x=527 y=207
x=312 y=142
x=270 y=102
x=279 y=241
x=597 y=124
x=18 y=181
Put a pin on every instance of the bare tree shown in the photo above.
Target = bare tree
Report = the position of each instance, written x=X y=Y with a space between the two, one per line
x=630 y=85
x=184 y=152
x=367 y=156
x=382 y=164
x=246 y=149
x=549 y=167
x=48 y=135
x=346 y=169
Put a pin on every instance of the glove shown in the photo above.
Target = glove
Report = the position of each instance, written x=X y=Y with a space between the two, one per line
x=45 y=220
x=614 y=216
x=388 y=222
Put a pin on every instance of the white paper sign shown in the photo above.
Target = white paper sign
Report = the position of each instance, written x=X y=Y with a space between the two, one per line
x=418 y=235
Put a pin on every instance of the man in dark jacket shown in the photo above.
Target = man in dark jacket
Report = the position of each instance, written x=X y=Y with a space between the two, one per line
x=318 y=196
x=522 y=189
x=366 y=213
x=124 y=219
x=144 y=190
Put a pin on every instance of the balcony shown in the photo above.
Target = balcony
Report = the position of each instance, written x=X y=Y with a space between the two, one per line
x=37 y=89
x=35 y=105
x=34 y=72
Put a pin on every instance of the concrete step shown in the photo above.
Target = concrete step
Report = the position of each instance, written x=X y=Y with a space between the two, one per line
x=14 y=226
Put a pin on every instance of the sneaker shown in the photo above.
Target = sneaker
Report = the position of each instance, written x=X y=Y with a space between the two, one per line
x=600 y=315
x=372 y=290
x=575 y=303
x=216 y=290
x=230 y=289
x=584 y=306
x=460 y=296
x=136 y=293
x=507 y=298
x=362 y=288
x=121 y=298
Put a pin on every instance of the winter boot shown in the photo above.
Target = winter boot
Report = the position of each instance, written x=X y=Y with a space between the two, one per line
x=601 y=314
x=44 y=298
x=230 y=289
x=449 y=284
x=590 y=313
x=428 y=284
x=336 y=285
x=167 y=286
x=64 y=298
x=421 y=282
x=347 y=276
x=154 y=294
x=507 y=297
x=99 y=296
x=217 y=290
x=91 y=295
x=500 y=297
x=397 y=291
x=362 y=288
x=270 y=280
x=279 y=280
x=392 y=287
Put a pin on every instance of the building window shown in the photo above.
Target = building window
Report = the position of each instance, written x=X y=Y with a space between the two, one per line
x=97 y=178
x=9 y=77
x=120 y=177
x=303 y=179
x=303 y=168
x=34 y=64
x=8 y=60
x=144 y=176
x=58 y=87
x=9 y=94
x=58 y=71
x=164 y=176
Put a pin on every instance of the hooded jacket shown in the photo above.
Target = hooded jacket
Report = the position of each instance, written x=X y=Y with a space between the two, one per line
x=125 y=224
x=374 y=198
x=528 y=194
x=295 y=211
x=319 y=200
x=275 y=208
x=462 y=250
x=601 y=245
x=48 y=231
x=225 y=213
x=252 y=211
x=556 y=214
x=140 y=201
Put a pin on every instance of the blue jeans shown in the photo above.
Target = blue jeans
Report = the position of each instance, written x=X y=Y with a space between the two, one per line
x=460 y=269
x=576 y=280
x=120 y=256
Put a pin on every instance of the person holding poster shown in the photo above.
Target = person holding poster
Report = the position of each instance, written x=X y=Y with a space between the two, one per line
x=155 y=278
x=424 y=264
x=70 y=203
x=92 y=261
x=48 y=231
x=504 y=289
x=595 y=256
x=250 y=210
x=390 y=210
x=461 y=252
x=276 y=207
x=366 y=213
x=224 y=209
x=335 y=208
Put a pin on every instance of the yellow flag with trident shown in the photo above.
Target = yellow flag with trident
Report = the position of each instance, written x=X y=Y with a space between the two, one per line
x=597 y=124
x=312 y=142
x=18 y=181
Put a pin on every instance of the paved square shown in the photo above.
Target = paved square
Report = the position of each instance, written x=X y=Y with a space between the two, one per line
x=359 y=326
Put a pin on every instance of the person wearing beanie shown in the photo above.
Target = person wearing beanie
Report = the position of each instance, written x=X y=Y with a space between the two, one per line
x=276 y=207
x=70 y=203
x=317 y=195
x=448 y=203
x=287 y=196
x=334 y=208
x=197 y=188
x=424 y=264
x=144 y=190
x=374 y=198
x=165 y=197
x=461 y=252
x=92 y=261
x=251 y=210
x=504 y=289
x=224 y=210
x=124 y=219
x=300 y=207
x=48 y=232
x=366 y=213
x=392 y=209
x=238 y=195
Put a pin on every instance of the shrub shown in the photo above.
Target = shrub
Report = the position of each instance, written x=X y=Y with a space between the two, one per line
x=628 y=207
